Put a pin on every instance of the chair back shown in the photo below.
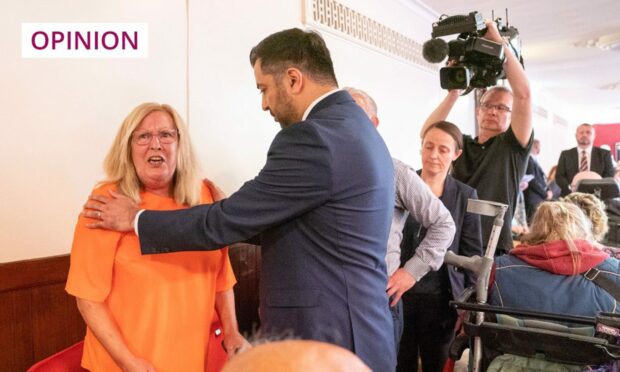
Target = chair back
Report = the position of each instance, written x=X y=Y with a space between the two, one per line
x=67 y=360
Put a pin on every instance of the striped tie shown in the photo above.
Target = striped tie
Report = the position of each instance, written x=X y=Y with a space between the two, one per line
x=583 y=166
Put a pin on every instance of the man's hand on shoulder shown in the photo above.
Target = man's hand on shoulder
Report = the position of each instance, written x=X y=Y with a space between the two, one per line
x=216 y=192
x=116 y=212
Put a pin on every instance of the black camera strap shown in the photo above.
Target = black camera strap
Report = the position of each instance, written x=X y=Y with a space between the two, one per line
x=594 y=275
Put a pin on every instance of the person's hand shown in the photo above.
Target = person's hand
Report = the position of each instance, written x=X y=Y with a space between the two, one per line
x=399 y=283
x=138 y=365
x=116 y=212
x=492 y=32
x=549 y=195
x=523 y=185
x=216 y=192
x=234 y=343
x=520 y=230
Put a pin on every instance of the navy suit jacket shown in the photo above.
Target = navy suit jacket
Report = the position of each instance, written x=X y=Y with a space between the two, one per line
x=536 y=191
x=322 y=207
x=467 y=238
x=568 y=166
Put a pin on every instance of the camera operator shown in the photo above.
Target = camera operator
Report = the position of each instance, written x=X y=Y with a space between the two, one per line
x=494 y=162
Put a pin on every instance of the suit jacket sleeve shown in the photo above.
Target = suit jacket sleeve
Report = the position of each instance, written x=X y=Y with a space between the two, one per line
x=538 y=184
x=295 y=179
x=561 y=175
x=608 y=166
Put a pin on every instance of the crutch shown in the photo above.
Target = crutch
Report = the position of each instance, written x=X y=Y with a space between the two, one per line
x=481 y=266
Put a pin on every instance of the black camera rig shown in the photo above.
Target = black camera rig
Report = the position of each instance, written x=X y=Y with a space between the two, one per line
x=477 y=62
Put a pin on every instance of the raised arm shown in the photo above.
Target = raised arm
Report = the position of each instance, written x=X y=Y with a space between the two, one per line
x=521 y=121
x=295 y=179
x=442 y=111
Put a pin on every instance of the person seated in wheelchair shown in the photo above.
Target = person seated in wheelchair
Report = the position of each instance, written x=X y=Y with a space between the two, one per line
x=546 y=272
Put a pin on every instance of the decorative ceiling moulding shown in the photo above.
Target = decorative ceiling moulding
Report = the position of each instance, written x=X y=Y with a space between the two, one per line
x=335 y=18
x=540 y=111
x=611 y=86
x=558 y=120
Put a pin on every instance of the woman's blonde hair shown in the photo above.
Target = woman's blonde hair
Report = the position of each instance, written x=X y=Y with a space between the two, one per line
x=558 y=220
x=594 y=209
x=120 y=170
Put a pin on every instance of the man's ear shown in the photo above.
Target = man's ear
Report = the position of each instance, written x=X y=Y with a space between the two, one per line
x=375 y=121
x=294 y=80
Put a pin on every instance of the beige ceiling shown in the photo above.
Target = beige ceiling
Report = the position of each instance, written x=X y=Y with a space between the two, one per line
x=585 y=80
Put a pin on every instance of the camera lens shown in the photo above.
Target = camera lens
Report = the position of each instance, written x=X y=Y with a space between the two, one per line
x=455 y=77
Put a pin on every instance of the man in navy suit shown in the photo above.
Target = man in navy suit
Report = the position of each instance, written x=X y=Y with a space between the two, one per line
x=584 y=157
x=536 y=191
x=321 y=208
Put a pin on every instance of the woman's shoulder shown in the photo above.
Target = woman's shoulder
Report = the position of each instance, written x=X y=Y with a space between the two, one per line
x=206 y=197
x=461 y=187
x=509 y=260
x=103 y=188
x=611 y=264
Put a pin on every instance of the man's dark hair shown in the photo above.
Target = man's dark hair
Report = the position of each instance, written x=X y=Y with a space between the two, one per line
x=305 y=50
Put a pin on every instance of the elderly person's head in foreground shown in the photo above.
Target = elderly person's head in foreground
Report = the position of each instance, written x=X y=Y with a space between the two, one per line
x=594 y=209
x=152 y=152
x=296 y=355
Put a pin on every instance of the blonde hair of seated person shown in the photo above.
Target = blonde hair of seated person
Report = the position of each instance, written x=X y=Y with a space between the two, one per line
x=559 y=220
x=594 y=209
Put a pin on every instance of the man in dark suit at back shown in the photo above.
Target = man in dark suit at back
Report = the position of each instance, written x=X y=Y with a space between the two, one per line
x=536 y=191
x=584 y=157
x=321 y=208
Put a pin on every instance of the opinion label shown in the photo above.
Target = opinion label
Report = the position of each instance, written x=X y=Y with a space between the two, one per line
x=85 y=40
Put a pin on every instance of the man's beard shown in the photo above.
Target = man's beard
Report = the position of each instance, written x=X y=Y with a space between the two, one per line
x=286 y=114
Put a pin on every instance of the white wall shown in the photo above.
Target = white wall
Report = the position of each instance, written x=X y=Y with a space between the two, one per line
x=225 y=104
x=554 y=137
x=59 y=116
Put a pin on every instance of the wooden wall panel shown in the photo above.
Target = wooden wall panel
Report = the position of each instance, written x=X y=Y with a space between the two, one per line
x=37 y=317
x=15 y=331
x=246 y=262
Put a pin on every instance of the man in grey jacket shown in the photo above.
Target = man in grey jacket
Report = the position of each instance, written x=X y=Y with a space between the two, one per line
x=412 y=197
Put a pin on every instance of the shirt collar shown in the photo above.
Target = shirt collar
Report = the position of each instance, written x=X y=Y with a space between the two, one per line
x=314 y=103
x=587 y=149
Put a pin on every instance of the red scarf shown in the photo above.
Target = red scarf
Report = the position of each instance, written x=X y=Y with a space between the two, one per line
x=555 y=256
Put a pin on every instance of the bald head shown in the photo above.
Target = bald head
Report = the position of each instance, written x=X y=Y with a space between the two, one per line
x=296 y=355
x=366 y=102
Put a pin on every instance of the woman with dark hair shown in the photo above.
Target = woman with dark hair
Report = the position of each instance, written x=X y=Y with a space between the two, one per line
x=428 y=319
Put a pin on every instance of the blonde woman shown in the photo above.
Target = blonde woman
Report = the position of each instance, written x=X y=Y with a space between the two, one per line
x=545 y=273
x=594 y=209
x=147 y=313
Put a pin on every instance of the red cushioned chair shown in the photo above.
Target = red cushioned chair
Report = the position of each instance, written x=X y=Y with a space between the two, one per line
x=216 y=356
x=67 y=360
